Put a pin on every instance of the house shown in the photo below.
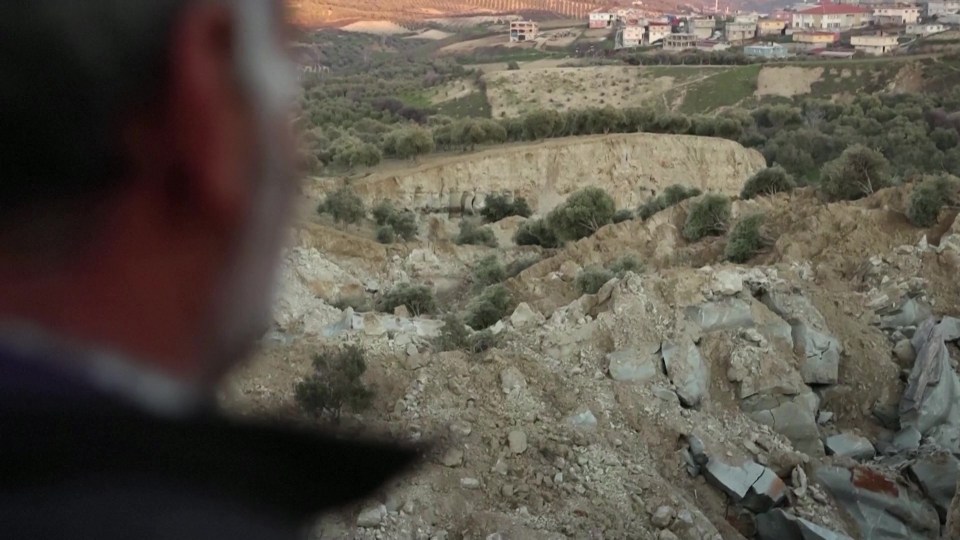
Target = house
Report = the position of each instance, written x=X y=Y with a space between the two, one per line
x=766 y=50
x=834 y=17
x=896 y=15
x=523 y=31
x=770 y=27
x=815 y=40
x=747 y=18
x=702 y=27
x=632 y=35
x=737 y=32
x=656 y=32
x=943 y=7
x=925 y=29
x=603 y=18
x=679 y=42
x=712 y=45
x=876 y=44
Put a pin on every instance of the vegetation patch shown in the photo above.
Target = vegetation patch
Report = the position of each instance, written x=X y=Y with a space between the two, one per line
x=418 y=299
x=710 y=216
x=335 y=383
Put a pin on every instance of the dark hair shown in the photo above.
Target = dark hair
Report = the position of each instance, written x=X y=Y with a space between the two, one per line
x=70 y=70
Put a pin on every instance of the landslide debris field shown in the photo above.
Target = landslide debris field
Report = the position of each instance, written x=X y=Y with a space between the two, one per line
x=807 y=392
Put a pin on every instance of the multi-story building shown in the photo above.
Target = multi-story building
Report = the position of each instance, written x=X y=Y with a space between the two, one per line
x=656 y=32
x=737 y=32
x=702 y=27
x=814 y=40
x=747 y=18
x=603 y=18
x=896 y=15
x=770 y=27
x=766 y=50
x=925 y=29
x=833 y=17
x=943 y=7
x=633 y=35
x=523 y=31
x=876 y=44
x=679 y=42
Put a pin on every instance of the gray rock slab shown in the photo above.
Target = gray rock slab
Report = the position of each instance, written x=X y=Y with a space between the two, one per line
x=634 y=364
x=937 y=476
x=734 y=480
x=778 y=524
x=819 y=354
x=907 y=439
x=768 y=491
x=723 y=315
x=687 y=370
x=951 y=328
x=881 y=507
x=911 y=313
x=850 y=445
x=795 y=421
x=931 y=401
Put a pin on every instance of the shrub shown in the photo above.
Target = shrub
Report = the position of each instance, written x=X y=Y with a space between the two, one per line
x=410 y=142
x=383 y=212
x=343 y=205
x=335 y=383
x=591 y=279
x=386 y=235
x=582 y=214
x=928 y=199
x=487 y=309
x=516 y=267
x=671 y=196
x=488 y=272
x=513 y=65
x=418 y=299
x=454 y=335
x=651 y=207
x=472 y=234
x=627 y=263
x=483 y=341
x=768 y=182
x=497 y=207
x=535 y=232
x=858 y=172
x=404 y=224
x=623 y=215
x=710 y=216
x=746 y=239
x=359 y=304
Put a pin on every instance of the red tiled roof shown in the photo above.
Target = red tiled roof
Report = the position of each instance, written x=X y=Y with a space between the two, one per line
x=833 y=9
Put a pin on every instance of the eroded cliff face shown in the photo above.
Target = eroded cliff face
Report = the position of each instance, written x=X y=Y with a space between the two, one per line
x=631 y=167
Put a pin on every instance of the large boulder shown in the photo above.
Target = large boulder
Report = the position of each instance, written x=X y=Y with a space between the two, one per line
x=910 y=313
x=931 y=402
x=850 y=445
x=795 y=418
x=778 y=524
x=937 y=476
x=634 y=365
x=748 y=483
x=881 y=507
x=687 y=370
x=723 y=315
x=819 y=351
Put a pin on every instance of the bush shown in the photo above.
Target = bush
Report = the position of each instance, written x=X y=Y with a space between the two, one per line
x=383 y=212
x=482 y=342
x=488 y=272
x=768 y=182
x=454 y=335
x=418 y=299
x=489 y=308
x=627 y=263
x=335 y=383
x=623 y=215
x=928 y=199
x=746 y=239
x=513 y=65
x=591 y=279
x=858 y=172
x=582 y=214
x=343 y=205
x=404 y=224
x=671 y=196
x=710 y=216
x=651 y=207
x=386 y=235
x=535 y=232
x=471 y=234
x=497 y=207
x=359 y=304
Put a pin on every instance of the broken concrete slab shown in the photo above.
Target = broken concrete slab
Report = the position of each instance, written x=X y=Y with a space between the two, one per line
x=634 y=364
x=910 y=313
x=724 y=315
x=880 y=506
x=749 y=483
x=819 y=353
x=937 y=475
x=951 y=328
x=907 y=440
x=850 y=445
x=778 y=524
x=931 y=401
x=796 y=421
x=687 y=370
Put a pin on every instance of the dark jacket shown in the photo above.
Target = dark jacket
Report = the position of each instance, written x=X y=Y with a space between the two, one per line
x=76 y=463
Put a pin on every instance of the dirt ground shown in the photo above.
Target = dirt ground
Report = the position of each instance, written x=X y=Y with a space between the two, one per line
x=431 y=34
x=787 y=81
x=385 y=28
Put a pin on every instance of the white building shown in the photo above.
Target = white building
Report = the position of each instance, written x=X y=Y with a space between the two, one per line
x=875 y=45
x=897 y=15
x=603 y=18
x=831 y=17
x=941 y=8
x=656 y=32
x=633 y=35
x=925 y=29
x=747 y=18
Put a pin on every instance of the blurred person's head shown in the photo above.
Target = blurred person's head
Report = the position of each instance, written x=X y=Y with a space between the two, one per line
x=145 y=174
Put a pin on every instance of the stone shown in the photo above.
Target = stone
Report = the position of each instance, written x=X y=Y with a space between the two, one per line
x=634 y=365
x=372 y=325
x=778 y=524
x=951 y=328
x=911 y=313
x=904 y=352
x=461 y=428
x=512 y=380
x=663 y=516
x=879 y=506
x=666 y=534
x=525 y=316
x=931 y=401
x=727 y=282
x=687 y=370
x=453 y=457
x=371 y=517
x=747 y=482
x=569 y=270
x=584 y=420
x=850 y=445
x=517 y=441
x=412 y=350
x=401 y=311
x=795 y=420
x=907 y=440
x=819 y=353
x=937 y=476
x=469 y=483
x=723 y=315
